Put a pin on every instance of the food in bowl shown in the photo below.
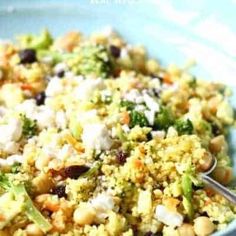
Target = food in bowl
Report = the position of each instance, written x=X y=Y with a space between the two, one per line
x=96 y=138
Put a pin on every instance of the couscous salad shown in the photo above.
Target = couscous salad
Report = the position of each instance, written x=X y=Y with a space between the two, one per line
x=98 y=139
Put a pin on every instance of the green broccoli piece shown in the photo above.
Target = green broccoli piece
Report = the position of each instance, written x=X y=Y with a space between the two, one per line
x=37 y=42
x=94 y=59
x=137 y=118
x=29 y=126
x=129 y=105
x=20 y=192
x=184 y=126
x=186 y=184
x=164 y=119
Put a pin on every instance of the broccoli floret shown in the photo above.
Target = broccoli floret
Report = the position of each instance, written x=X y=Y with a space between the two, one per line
x=30 y=210
x=129 y=105
x=29 y=126
x=164 y=119
x=42 y=41
x=184 y=126
x=137 y=118
x=94 y=60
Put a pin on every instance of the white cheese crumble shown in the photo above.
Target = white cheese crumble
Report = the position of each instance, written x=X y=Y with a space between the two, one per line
x=86 y=88
x=150 y=115
x=61 y=120
x=55 y=87
x=11 y=160
x=28 y=107
x=151 y=103
x=134 y=96
x=160 y=134
x=96 y=136
x=11 y=131
x=102 y=204
x=170 y=218
x=45 y=117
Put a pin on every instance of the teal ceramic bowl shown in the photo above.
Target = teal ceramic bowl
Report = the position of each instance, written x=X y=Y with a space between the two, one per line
x=172 y=31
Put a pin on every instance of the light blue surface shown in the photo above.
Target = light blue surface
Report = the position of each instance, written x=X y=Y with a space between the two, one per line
x=173 y=31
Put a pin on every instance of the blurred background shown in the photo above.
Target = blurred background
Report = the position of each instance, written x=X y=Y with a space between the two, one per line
x=172 y=30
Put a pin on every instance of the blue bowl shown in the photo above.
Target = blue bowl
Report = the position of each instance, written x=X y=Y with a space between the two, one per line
x=172 y=31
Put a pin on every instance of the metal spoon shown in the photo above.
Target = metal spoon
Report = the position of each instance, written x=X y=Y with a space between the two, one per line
x=217 y=186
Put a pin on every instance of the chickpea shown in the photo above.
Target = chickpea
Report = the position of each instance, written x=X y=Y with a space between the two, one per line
x=42 y=183
x=186 y=230
x=203 y=226
x=84 y=214
x=223 y=175
x=33 y=230
x=206 y=162
x=42 y=161
x=217 y=144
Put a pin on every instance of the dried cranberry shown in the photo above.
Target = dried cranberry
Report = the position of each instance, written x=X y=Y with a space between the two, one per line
x=74 y=172
x=40 y=98
x=27 y=56
x=60 y=191
x=115 y=51
x=152 y=234
x=121 y=157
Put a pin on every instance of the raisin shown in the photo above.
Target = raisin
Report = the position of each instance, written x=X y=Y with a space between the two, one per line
x=74 y=172
x=61 y=73
x=121 y=157
x=27 y=56
x=40 y=98
x=60 y=191
x=115 y=51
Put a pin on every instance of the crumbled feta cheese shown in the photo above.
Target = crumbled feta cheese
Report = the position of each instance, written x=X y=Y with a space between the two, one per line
x=10 y=147
x=160 y=134
x=102 y=204
x=55 y=87
x=124 y=53
x=11 y=160
x=11 y=131
x=29 y=108
x=87 y=87
x=96 y=136
x=125 y=128
x=151 y=103
x=134 y=96
x=88 y=117
x=45 y=117
x=61 y=120
x=171 y=132
x=170 y=218
x=150 y=115
x=139 y=108
x=65 y=152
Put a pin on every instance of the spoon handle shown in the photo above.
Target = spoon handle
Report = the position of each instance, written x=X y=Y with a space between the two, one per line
x=219 y=188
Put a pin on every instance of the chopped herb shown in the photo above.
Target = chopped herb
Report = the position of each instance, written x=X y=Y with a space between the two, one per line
x=29 y=126
x=164 y=119
x=15 y=168
x=184 y=126
x=137 y=118
x=129 y=105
